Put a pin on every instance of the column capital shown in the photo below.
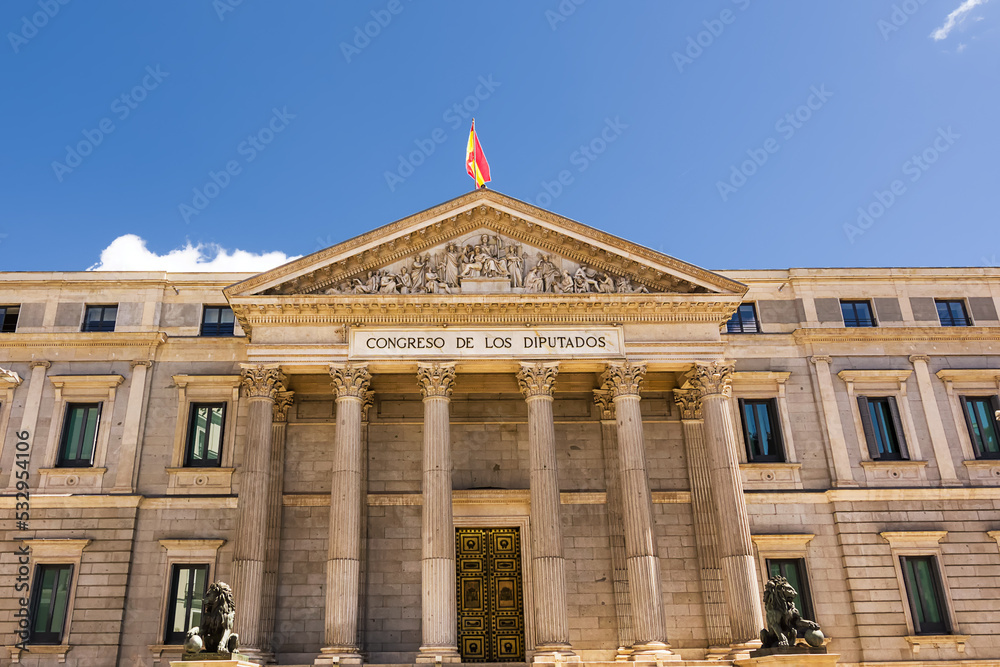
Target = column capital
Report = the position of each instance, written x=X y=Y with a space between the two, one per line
x=689 y=402
x=537 y=379
x=140 y=362
x=350 y=380
x=282 y=402
x=40 y=362
x=623 y=379
x=821 y=359
x=712 y=378
x=262 y=381
x=436 y=380
x=914 y=358
x=367 y=401
x=605 y=403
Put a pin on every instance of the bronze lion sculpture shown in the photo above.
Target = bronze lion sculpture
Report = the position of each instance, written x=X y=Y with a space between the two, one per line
x=215 y=634
x=783 y=622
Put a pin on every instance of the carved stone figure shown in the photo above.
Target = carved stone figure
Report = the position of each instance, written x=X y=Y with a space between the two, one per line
x=783 y=621
x=451 y=265
x=215 y=634
x=515 y=267
x=473 y=267
x=606 y=284
x=417 y=273
x=533 y=281
x=387 y=284
x=583 y=281
x=564 y=285
x=548 y=271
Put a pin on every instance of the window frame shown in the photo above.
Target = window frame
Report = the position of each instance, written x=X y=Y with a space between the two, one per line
x=742 y=324
x=217 y=324
x=62 y=461
x=58 y=551
x=170 y=637
x=193 y=389
x=102 y=328
x=189 y=461
x=5 y=316
x=185 y=552
x=924 y=543
x=854 y=303
x=902 y=452
x=806 y=611
x=961 y=303
x=771 y=407
x=937 y=586
x=786 y=546
x=48 y=638
x=994 y=404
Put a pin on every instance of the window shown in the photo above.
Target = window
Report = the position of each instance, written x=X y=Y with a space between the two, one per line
x=883 y=429
x=794 y=570
x=8 y=318
x=100 y=318
x=187 y=588
x=761 y=431
x=952 y=313
x=980 y=417
x=217 y=321
x=744 y=320
x=207 y=423
x=79 y=435
x=858 y=314
x=923 y=591
x=50 y=603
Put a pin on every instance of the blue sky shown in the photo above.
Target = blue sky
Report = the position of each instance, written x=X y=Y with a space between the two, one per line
x=728 y=133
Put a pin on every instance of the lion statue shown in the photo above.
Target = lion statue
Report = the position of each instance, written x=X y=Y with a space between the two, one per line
x=215 y=635
x=783 y=621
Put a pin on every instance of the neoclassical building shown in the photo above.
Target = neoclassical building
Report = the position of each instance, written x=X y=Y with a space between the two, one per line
x=488 y=433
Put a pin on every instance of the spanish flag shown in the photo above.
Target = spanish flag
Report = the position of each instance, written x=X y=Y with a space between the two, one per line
x=475 y=162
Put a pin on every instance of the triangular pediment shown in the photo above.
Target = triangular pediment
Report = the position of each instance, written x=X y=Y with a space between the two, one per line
x=480 y=243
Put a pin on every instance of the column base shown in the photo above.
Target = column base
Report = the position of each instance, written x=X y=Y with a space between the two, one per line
x=554 y=654
x=258 y=657
x=238 y=660
x=791 y=660
x=438 y=654
x=741 y=651
x=653 y=652
x=717 y=653
x=339 y=655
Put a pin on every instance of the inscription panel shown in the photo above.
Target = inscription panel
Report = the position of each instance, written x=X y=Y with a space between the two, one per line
x=521 y=343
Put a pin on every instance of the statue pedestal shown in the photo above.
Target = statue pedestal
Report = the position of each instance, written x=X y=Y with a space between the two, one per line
x=788 y=657
x=236 y=661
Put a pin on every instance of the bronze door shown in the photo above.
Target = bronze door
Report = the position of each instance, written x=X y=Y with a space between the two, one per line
x=490 y=600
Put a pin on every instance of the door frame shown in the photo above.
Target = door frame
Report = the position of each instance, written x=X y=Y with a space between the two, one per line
x=469 y=520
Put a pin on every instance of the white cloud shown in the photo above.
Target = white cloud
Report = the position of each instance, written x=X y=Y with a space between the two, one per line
x=129 y=253
x=955 y=18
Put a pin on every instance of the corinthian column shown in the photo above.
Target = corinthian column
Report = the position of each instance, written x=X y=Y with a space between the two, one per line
x=437 y=581
x=548 y=567
x=343 y=561
x=261 y=385
x=269 y=603
x=713 y=381
x=643 y=565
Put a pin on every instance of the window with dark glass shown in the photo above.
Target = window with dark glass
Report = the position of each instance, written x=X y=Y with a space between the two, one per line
x=100 y=318
x=50 y=603
x=217 y=321
x=187 y=588
x=79 y=435
x=980 y=417
x=952 y=313
x=8 y=318
x=204 y=444
x=883 y=428
x=858 y=314
x=794 y=571
x=761 y=431
x=744 y=320
x=925 y=595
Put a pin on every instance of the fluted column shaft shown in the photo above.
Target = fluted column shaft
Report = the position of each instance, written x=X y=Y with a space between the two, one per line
x=261 y=385
x=547 y=562
x=739 y=573
x=643 y=565
x=438 y=610
x=274 y=508
x=343 y=564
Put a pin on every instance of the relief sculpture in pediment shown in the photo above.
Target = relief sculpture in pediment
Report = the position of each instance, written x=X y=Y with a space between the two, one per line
x=486 y=263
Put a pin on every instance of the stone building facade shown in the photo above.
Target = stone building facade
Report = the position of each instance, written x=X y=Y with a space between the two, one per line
x=489 y=433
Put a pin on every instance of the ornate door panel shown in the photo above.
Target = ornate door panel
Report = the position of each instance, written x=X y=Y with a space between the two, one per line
x=490 y=600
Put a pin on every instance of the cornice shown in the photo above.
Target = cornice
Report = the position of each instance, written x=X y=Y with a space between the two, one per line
x=84 y=339
x=896 y=334
x=969 y=374
x=862 y=376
